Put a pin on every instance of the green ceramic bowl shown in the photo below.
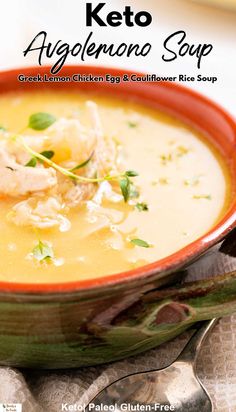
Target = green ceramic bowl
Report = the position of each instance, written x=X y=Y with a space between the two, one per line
x=102 y=320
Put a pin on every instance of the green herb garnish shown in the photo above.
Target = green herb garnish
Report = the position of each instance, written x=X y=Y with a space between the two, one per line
x=131 y=173
x=126 y=185
x=42 y=251
x=140 y=242
x=181 y=151
x=132 y=125
x=194 y=181
x=162 y=181
x=208 y=197
x=32 y=162
x=166 y=158
x=125 y=188
x=48 y=154
x=41 y=121
x=142 y=207
x=79 y=166
x=2 y=128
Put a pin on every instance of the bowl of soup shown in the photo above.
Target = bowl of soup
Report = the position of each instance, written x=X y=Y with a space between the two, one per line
x=107 y=191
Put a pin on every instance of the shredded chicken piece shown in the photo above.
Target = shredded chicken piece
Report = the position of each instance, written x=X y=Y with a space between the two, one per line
x=41 y=213
x=74 y=193
x=95 y=119
x=78 y=194
x=36 y=143
x=52 y=193
x=17 y=180
x=70 y=140
x=105 y=149
x=105 y=191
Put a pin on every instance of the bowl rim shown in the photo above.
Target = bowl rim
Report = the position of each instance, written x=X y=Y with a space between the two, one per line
x=145 y=273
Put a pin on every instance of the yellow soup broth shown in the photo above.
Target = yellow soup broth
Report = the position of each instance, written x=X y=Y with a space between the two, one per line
x=182 y=181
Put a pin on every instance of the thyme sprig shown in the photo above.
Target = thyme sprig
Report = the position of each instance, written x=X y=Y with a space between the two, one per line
x=33 y=161
x=67 y=172
x=41 y=121
x=83 y=164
